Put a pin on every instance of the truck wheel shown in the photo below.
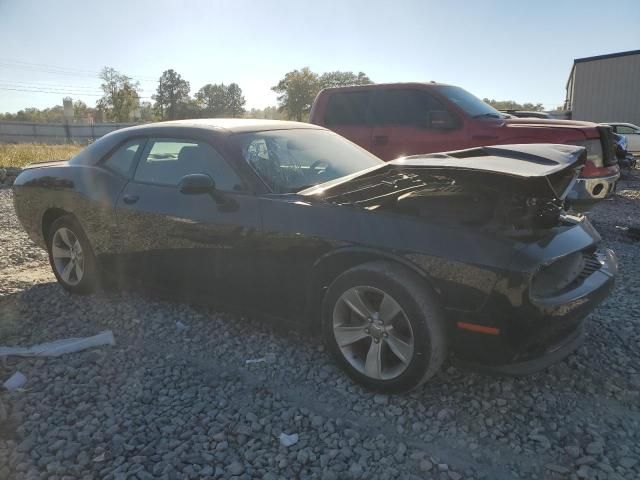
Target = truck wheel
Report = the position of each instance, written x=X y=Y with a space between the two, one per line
x=71 y=256
x=384 y=326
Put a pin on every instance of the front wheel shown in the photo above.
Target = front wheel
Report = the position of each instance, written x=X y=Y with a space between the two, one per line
x=384 y=326
x=71 y=256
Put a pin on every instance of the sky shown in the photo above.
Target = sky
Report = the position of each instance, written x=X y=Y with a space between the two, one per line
x=500 y=49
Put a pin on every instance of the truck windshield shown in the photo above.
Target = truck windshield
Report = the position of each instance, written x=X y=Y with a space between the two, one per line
x=471 y=104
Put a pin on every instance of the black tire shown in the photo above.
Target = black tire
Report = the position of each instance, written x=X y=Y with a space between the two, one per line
x=420 y=305
x=89 y=280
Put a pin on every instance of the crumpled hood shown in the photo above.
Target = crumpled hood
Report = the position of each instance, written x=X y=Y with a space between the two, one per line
x=542 y=170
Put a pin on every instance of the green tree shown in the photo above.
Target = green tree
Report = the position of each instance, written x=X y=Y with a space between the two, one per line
x=80 y=109
x=120 y=97
x=82 y=112
x=343 y=79
x=189 y=109
x=212 y=100
x=234 y=100
x=297 y=91
x=299 y=88
x=146 y=113
x=512 y=105
x=171 y=96
x=271 y=113
x=220 y=100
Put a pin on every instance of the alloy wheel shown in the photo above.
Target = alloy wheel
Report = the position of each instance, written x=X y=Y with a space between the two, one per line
x=373 y=332
x=68 y=257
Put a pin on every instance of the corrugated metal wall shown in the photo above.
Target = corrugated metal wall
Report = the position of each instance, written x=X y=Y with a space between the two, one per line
x=27 y=132
x=607 y=90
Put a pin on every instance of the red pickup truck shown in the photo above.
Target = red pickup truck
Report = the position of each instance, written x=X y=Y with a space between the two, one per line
x=399 y=119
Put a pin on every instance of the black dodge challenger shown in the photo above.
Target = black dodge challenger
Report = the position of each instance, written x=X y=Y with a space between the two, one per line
x=396 y=263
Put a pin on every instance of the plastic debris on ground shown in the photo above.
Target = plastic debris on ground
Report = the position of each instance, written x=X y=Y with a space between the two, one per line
x=268 y=358
x=15 y=381
x=181 y=327
x=99 y=458
x=632 y=232
x=60 y=347
x=287 y=440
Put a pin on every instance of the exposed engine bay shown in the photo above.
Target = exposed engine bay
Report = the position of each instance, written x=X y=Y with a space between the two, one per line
x=519 y=193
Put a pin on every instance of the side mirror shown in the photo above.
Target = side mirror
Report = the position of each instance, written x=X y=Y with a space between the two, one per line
x=441 y=120
x=196 y=184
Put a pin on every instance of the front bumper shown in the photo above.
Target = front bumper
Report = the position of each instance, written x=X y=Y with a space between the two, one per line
x=549 y=329
x=527 y=367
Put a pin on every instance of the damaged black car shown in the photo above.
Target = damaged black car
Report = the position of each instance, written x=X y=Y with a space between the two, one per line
x=397 y=264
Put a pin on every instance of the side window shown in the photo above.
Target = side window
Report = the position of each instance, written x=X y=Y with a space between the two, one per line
x=122 y=159
x=409 y=108
x=166 y=160
x=347 y=108
x=623 y=130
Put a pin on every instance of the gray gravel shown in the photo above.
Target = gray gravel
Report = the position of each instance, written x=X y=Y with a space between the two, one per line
x=169 y=404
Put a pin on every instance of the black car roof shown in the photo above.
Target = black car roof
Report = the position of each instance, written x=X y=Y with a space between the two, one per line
x=226 y=125
x=193 y=127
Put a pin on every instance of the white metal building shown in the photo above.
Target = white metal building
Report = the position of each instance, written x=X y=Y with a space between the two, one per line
x=605 y=88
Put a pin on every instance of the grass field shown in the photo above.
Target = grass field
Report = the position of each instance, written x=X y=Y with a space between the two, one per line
x=19 y=155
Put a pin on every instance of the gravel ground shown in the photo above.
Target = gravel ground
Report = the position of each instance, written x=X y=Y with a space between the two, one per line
x=164 y=403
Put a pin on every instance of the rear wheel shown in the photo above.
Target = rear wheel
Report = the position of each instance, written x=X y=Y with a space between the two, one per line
x=384 y=326
x=71 y=256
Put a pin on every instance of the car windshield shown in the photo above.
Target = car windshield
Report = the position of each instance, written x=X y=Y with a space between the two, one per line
x=471 y=104
x=292 y=160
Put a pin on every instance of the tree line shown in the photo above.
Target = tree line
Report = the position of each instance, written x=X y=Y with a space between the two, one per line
x=511 y=105
x=121 y=99
x=122 y=102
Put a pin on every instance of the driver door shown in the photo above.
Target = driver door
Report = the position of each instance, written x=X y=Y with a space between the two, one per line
x=189 y=244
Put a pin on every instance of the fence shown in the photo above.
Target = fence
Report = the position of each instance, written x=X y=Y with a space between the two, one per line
x=28 y=132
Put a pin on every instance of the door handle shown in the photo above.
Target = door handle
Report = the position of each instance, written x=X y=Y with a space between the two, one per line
x=129 y=199
x=380 y=139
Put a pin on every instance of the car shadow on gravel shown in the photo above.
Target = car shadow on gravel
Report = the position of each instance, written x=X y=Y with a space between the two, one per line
x=472 y=422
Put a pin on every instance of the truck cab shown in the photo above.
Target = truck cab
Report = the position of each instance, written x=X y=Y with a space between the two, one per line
x=401 y=119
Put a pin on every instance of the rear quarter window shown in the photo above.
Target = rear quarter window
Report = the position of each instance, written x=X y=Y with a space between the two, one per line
x=121 y=160
x=347 y=108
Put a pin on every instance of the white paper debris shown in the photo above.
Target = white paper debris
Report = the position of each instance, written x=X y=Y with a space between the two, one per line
x=181 y=326
x=15 y=381
x=255 y=360
x=60 y=347
x=288 y=440
x=269 y=357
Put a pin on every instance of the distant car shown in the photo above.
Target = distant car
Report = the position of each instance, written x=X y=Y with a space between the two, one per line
x=399 y=119
x=396 y=263
x=631 y=132
x=526 y=114
x=626 y=160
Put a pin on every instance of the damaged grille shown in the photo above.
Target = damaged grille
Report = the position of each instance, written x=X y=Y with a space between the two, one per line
x=564 y=274
x=591 y=264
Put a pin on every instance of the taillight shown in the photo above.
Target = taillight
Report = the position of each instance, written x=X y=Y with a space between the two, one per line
x=594 y=151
